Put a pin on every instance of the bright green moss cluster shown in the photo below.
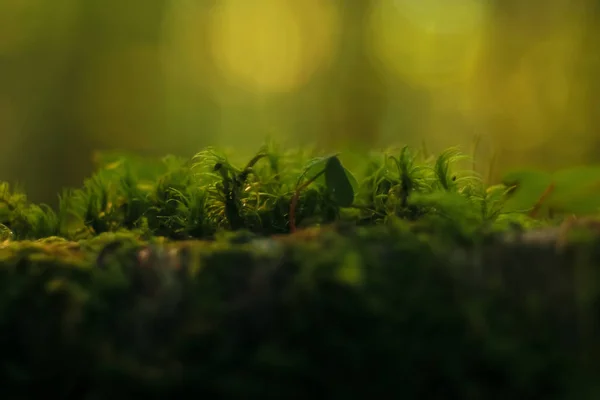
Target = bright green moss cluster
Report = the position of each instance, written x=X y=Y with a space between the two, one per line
x=272 y=194
x=22 y=220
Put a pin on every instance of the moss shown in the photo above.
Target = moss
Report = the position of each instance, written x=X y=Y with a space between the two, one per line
x=181 y=278
x=339 y=313
x=272 y=194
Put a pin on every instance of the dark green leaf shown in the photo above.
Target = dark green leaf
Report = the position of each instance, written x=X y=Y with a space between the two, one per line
x=338 y=183
x=314 y=167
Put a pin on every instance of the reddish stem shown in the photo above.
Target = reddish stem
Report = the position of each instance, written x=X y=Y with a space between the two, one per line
x=293 y=211
x=295 y=198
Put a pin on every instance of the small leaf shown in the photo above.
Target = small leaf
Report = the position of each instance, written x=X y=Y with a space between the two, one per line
x=314 y=167
x=336 y=179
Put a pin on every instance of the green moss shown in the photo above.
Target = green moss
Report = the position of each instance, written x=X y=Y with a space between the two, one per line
x=339 y=313
x=21 y=220
x=271 y=194
x=422 y=286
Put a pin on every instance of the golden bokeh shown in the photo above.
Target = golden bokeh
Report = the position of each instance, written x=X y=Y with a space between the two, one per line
x=177 y=75
x=271 y=45
x=427 y=43
x=537 y=93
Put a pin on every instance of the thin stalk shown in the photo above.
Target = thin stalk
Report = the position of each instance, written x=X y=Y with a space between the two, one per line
x=296 y=197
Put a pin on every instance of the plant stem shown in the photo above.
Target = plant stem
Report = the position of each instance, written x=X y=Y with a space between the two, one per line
x=296 y=197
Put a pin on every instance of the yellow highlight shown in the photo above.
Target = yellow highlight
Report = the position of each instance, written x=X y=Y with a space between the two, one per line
x=537 y=93
x=428 y=43
x=271 y=45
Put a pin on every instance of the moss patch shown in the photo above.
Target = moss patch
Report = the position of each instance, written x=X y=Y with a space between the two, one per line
x=406 y=279
x=275 y=192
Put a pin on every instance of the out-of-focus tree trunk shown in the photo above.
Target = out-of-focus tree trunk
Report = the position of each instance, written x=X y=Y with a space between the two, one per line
x=101 y=35
x=49 y=145
x=31 y=73
x=355 y=97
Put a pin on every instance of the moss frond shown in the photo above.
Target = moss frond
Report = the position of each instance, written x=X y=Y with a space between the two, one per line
x=198 y=197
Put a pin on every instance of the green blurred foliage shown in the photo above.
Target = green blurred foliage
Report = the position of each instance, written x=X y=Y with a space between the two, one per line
x=164 y=76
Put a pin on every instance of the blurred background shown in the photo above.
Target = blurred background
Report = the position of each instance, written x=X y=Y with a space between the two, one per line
x=172 y=76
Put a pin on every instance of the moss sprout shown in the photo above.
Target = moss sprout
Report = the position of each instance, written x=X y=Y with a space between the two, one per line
x=273 y=193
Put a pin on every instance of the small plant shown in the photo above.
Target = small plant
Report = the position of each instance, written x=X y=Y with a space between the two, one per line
x=339 y=182
x=238 y=194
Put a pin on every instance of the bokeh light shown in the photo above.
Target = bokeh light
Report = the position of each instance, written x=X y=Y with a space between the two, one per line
x=427 y=42
x=528 y=87
x=172 y=76
x=271 y=45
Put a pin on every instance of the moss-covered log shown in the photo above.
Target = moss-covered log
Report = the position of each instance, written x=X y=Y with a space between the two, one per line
x=377 y=312
x=293 y=278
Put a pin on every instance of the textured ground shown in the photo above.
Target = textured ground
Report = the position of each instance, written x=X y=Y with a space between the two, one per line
x=390 y=311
